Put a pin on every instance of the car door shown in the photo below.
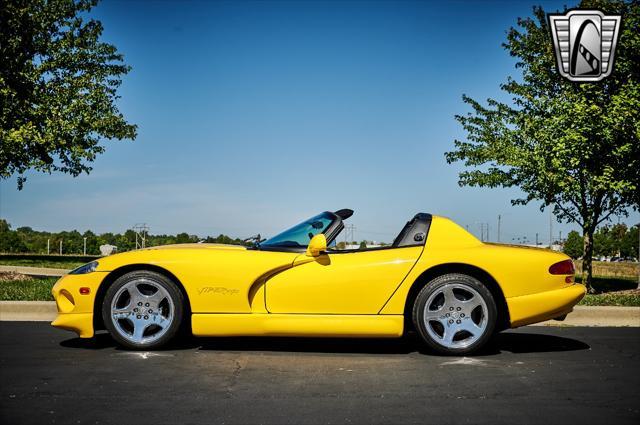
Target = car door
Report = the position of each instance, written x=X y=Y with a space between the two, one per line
x=356 y=282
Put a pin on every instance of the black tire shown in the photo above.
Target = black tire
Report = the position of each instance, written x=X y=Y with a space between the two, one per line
x=443 y=319
x=144 y=280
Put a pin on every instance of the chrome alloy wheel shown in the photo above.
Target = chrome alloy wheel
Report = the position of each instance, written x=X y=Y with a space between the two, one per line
x=455 y=316
x=142 y=311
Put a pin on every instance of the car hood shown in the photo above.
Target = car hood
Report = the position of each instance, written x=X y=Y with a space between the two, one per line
x=166 y=254
x=197 y=246
x=192 y=261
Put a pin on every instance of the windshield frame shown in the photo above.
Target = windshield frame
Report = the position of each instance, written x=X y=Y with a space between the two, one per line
x=330 y=231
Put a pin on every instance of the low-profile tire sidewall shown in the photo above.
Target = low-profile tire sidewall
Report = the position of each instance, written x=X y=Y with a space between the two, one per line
x=168 y=285
x=433 y=286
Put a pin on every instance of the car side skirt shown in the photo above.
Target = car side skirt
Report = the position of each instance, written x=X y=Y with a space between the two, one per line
x=308 y=325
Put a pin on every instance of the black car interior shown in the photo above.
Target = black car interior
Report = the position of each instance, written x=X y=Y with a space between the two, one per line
x=414 y=232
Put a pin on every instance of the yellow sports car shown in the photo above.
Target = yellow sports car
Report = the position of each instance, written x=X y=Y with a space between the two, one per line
x=435 y=278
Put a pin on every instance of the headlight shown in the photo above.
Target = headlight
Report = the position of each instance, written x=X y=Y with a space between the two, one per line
x=87 y=268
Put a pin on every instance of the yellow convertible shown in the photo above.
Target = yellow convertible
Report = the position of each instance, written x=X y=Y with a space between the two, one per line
x=435 y=278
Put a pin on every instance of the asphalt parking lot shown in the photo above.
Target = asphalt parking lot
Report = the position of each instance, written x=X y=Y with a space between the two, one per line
x=530 y=375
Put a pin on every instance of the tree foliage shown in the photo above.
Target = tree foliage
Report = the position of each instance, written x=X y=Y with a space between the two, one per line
x=58 y=88
x=608 y=241
x=616 y=241
x=574 y=147
x=28 y=240
x=573 y=245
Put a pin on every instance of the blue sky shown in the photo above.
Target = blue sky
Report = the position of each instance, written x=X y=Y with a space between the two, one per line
x=255 y=115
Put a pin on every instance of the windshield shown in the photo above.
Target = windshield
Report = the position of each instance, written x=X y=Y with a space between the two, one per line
x=300 y=234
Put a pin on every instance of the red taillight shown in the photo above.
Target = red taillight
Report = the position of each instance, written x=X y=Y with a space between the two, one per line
x=85 y=291
x=563 y=267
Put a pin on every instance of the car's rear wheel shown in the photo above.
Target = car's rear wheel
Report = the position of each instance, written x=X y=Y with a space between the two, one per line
x=142 y=310
x=455 y=314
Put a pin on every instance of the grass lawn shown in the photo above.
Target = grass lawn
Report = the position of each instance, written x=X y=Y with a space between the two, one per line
x=54 y=264
x=605 y=268
x=613 y=291
x=31 y=289
x=612 y=299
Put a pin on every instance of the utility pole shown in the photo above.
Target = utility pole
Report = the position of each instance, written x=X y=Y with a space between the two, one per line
x=550 y=228
x=60 y=246
x=499 y=218
x=48 y=246
x=84 y=251
x=484 y=231
x=142 y=230
x=536 y=239
x=349 y=230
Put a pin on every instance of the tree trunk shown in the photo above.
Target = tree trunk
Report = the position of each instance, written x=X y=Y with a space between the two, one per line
x=587 y=260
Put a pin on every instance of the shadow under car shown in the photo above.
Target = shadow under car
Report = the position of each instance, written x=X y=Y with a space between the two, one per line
x=514 y=342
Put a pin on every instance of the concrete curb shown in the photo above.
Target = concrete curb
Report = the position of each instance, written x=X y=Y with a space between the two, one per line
x=34 y=271
x=581 y=316
x=599 y=316
x=28 y=311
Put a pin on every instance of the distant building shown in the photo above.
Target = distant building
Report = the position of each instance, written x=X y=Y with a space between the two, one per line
x=370 y=244
x=554 y=247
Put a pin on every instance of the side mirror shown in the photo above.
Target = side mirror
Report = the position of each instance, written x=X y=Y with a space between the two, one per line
x=317 y=245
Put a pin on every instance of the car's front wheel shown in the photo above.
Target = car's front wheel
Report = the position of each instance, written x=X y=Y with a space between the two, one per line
x=455 y=314
x=142 y=310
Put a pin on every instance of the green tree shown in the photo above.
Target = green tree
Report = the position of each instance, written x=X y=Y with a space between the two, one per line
x=618 y=233
x=224 y=239
x=107 y=239
x=27 y=240
x=126 y=241
x=92 y=243
x=629 y=244
x=9 y=239
x=574 y=147
x=602 y=242
x=185 y=238
x=58 y=88
x=573 y=245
